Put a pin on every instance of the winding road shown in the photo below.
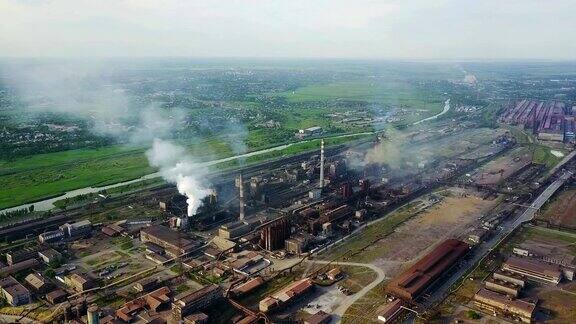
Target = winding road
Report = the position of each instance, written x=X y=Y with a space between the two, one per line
x=349 y=300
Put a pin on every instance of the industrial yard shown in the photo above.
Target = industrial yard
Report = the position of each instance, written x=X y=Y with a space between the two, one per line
x=388 y=210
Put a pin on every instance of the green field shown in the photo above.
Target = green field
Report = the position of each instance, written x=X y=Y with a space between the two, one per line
x=47 y=175
x=390 y=93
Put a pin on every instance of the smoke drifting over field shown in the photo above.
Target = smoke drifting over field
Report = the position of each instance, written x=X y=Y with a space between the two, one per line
x=82 y=91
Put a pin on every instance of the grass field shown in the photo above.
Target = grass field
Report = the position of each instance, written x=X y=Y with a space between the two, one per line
x=47 y=175
x=364 y=309
x=392 y=93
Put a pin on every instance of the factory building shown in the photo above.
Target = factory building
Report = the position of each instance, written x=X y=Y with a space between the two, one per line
x=13 y=292
x=416 y=279
x=50 y=255
x=287 y=295
x=21 y=255
x=189 y=302
x=390 y=311
x=20 y=266
x=510 y=277
x=50 y=236
x=247 y=287
x=77 y=229
x=79 y=282
x=495 y=302
x=237 y=229
x=273 y=235
x=534 y=269
x=172 y=242
x=503 y=287
x=152 y=301
x=37 y=282
x=298 y=244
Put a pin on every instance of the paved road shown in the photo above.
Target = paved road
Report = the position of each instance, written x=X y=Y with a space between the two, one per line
x=349 y=300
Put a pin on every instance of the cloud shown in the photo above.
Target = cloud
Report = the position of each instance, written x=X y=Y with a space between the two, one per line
x=337 y=28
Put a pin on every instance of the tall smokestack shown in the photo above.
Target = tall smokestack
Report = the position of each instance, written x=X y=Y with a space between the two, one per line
x=322 y=163
x=241 y=195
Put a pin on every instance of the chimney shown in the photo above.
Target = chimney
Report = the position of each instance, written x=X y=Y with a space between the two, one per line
x=322 y=163
x=241 y=196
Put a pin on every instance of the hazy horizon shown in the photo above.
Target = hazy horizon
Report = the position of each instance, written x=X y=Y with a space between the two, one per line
x=419 y=30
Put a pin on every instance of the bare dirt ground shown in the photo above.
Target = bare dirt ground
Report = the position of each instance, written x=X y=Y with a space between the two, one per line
x=563 y=210
x=452 y=216
x=502 y=168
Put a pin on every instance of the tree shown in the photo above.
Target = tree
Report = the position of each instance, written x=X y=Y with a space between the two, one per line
x=31 y=208
x=472 y=315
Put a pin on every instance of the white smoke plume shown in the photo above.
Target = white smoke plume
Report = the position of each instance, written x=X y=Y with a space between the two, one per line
x=177 y=167
x=87 y=91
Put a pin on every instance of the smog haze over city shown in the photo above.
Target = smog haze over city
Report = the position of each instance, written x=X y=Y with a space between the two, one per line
x=287 y=161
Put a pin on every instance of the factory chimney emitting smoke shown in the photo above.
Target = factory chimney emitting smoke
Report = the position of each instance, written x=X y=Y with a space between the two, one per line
x=241 y=196
x=322 y=163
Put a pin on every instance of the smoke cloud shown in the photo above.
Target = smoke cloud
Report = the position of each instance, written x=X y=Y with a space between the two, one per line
x=177 y=167
x=388 y=151
x=83 y=90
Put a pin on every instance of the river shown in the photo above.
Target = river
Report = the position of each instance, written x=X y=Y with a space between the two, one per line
x=47 y=204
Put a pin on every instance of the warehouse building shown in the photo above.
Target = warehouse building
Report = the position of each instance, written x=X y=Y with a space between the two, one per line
x=498 y=303
x=37 y=282
x=13 y=292
x=534 y=269
x=79 y=282
x=419 y=277
x=503 y=287
x=189 y=302
x=77 y=229
x=173 y=242
x=287 y=295
x=510 y=277
x=388 y=312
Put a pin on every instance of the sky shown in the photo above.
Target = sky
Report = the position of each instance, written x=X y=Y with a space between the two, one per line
x=384 y=29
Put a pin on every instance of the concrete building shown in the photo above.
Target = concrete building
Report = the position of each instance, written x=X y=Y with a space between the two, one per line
x=286 y=295
x=298 y=244
x=236 y=229
x=503 y=287
x=13 y=292
x=50 y=255
x=247 y=287
x=189 y=302
x=37 y=282
x=51 y=236
x=79 y=282
x=173 y=242
x=494 y=302
x=57 y=296
x=13 y=257
x=534 y=269
x=510 y=277
x=20 y=266
x=416 y=279
x=146 y=284
x=77 y=229
x=152 y=302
